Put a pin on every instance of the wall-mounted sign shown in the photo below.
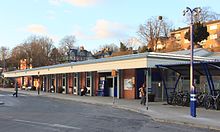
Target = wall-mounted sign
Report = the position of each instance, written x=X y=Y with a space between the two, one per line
x=128 y=84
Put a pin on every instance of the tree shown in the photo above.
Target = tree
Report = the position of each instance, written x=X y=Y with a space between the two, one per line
x=200 y=33
x=110 y=47
x=172 y=45
x=144 y=49
x=205 y=15
x=105 y=50
x=4 y=55
x=133 y=43
x=54 y=56
x=152 y=30
x=123 y=47
x=35 y=49
x=67 y=43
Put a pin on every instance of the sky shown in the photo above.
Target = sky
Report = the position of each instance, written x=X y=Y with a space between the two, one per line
x=92 y=22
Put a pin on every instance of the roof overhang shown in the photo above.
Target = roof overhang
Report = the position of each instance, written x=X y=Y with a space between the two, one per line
x=199 y=68
x=133 y=61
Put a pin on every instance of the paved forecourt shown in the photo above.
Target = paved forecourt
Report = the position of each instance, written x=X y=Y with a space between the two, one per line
x=158 y=111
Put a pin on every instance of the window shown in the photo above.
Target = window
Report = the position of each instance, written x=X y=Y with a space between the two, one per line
x=75 y=80
x=88 y=79
x=64 y=80
x=213 y=36
x=213 y=27
x=186 y=41
x=177 y=36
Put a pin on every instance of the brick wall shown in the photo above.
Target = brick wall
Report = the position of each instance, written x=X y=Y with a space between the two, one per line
x=70 y=83
x=129 y=74
x=82 y=79
x=96 y=81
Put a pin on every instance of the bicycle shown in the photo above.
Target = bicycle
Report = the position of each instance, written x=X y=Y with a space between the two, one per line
x=212 y=101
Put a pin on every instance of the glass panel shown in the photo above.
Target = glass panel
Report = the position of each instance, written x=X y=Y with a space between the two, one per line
x=64 y=82
x=75 y=81
x=88 y=82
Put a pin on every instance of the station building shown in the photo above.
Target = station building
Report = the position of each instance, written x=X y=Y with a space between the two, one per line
x=119 y=76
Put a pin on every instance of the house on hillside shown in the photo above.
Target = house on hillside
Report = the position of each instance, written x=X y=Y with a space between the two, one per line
x=80 y=54
x=212 y=43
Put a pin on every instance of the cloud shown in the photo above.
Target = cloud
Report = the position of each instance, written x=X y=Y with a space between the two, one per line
x=36 y=29
x=78 y=3
x=106 y=29
x=103 y=29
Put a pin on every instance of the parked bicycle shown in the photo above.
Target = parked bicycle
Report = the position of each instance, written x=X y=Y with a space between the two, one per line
x=200 y=99
x=179 y=98
x=212 y=101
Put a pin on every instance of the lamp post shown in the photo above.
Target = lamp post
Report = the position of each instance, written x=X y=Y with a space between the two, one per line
x=160 y=19
x=192 y=12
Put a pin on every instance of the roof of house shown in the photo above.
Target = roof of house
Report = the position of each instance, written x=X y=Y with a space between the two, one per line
x=184 y=28
x=197 y=52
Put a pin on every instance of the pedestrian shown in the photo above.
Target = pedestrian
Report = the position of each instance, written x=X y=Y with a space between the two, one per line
x=143 y=94
x=16 y=90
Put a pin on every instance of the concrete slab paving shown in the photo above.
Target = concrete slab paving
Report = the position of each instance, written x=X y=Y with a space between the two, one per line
x=158 y=111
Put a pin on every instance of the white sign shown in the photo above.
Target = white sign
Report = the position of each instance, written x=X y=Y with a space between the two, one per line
x=128 y=84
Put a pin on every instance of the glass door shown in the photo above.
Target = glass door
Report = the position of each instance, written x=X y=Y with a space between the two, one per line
x=64 y=83
x=75 y=84
x=88 y=82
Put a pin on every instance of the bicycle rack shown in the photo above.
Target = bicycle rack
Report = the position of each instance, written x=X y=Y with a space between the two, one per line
x=164 y=82
x=209 y=77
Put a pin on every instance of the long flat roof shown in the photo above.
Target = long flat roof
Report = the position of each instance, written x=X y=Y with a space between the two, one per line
x=142 y=60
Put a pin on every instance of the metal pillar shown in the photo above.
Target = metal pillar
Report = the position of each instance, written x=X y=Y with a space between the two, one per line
x=192 y=88
x=147 y=85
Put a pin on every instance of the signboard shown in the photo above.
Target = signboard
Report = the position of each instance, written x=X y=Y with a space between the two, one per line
x=128 y=85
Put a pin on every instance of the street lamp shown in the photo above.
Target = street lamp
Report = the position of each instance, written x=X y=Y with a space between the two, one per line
x=192 y=12
x=160 y=19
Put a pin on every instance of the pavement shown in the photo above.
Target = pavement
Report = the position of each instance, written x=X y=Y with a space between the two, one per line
x=158 y=111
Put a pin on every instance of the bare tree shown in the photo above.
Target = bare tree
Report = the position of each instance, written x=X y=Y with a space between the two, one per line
x=205 y=15
x=106 y=47
x=4 y=54
x=17 y=54
x=172 y=45
x=67 y=43
x=133 y=43
x=36 y=50
x=55 y=56
x=153 y=29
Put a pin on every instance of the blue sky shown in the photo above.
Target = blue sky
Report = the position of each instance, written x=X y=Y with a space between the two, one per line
x=93 y=22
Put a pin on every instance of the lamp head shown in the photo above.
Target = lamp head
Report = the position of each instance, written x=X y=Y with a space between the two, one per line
x=184 y=12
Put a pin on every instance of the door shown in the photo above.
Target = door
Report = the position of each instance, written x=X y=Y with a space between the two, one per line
x=64 y=83
x=75 y=85
x=109 y=85
x=88 y=82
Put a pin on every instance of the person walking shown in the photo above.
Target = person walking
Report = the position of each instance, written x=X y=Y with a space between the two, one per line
x=16 y=90
x=143 y=94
